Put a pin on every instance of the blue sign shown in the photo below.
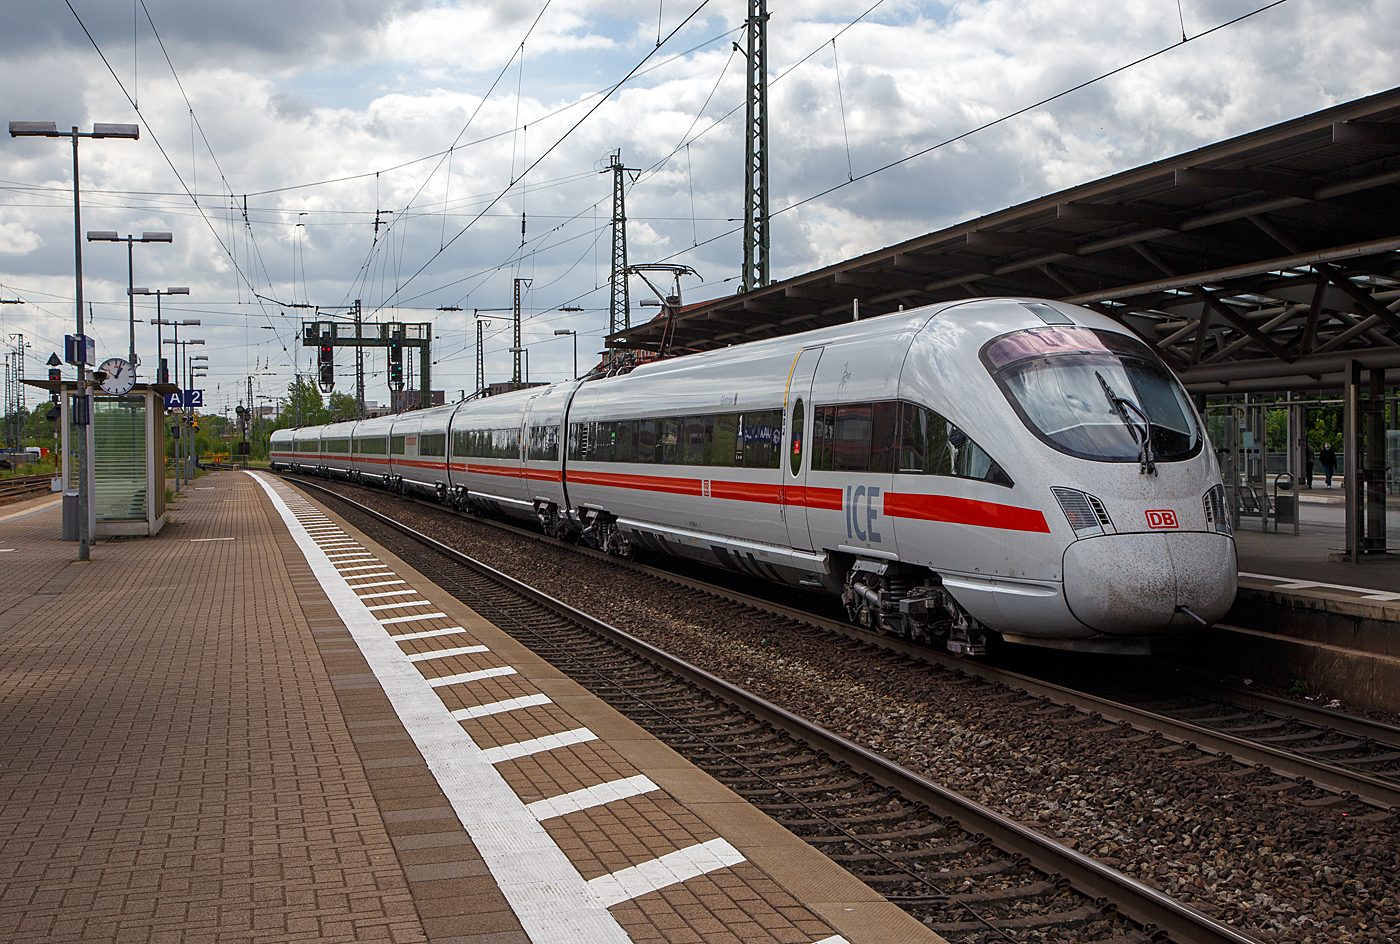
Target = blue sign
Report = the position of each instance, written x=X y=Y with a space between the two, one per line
x=194 y=398
x=172 y=401
x=79 y=349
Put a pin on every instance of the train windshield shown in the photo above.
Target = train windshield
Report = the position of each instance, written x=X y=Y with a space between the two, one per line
x=1094 y=394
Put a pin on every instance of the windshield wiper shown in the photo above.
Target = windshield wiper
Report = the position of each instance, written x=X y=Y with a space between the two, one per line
x=1147 y=462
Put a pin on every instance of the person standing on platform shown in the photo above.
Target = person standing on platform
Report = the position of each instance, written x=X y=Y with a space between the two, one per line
x=1307 y=463
x=1328 y=458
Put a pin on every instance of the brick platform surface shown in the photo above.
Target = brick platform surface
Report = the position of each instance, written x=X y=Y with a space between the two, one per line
x=261 y=726
x=175 y=763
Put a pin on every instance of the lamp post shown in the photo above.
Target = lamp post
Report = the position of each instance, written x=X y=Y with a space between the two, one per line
x=110 y=236
x=561 y=331
x=184 y=390
x=49 y=129
x=523 y=350
x=193 y=371
x=158 y=322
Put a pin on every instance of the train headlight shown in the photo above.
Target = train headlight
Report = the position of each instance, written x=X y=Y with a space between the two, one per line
x=1085 y=512
x=1217 y=512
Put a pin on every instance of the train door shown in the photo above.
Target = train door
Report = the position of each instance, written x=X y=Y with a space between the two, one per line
x=797 y=429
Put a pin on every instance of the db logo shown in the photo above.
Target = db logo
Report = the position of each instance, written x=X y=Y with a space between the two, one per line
x=1162 y=518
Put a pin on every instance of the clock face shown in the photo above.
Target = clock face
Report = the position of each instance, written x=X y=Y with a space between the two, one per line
x=120 y=377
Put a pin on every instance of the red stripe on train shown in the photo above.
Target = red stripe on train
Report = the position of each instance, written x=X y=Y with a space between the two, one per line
x=964 y=511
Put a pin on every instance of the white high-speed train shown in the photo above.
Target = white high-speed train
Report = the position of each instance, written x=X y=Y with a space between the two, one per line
x=1011 y=466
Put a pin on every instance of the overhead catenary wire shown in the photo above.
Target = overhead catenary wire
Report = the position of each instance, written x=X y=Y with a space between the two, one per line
x=550 y=150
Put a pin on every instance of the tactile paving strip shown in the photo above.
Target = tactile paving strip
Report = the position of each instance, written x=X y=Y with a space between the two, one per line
x=582 y=845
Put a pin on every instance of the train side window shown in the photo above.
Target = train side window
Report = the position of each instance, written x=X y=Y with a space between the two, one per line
x=931 y=445
x=544 y=443
x=576 y=442
x=670 y=440
x=884 y=432
x=396 y=445
x=621 y=441
x=763 y=439
x=823 y=418
x=724 y=450
x=850 y=447
x=692 y=440
x=432 y=444
x=646 y=442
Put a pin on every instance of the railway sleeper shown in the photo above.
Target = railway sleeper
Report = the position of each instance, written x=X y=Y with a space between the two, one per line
x=1074 y=918
x=823 y=785
x=927 y=833
x=873 y=820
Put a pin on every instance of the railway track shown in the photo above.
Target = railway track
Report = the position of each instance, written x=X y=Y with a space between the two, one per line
x=22 y=486
x=966 y=871
x=1289 y=745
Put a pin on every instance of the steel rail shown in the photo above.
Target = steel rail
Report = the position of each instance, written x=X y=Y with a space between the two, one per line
x=22 y=485
x=1308 y=714
x=1143 y=904
x=1373 y=791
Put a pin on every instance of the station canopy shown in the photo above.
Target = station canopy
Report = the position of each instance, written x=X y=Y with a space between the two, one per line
x=1265 y=262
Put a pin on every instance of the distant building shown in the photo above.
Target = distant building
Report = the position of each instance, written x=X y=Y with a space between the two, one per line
x=506 y=386
x=409 y=399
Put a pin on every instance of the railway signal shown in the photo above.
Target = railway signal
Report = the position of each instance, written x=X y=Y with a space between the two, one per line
x=396 y=363
x=326 y=362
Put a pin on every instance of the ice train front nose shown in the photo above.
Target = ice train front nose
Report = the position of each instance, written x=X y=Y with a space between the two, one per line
x=1131 y=584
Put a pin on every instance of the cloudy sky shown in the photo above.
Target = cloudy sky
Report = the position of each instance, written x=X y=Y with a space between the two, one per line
x=386 y=151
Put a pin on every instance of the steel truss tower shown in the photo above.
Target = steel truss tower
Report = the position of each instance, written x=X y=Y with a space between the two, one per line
x=755 y=274
x=619 y=310
x=516 y=348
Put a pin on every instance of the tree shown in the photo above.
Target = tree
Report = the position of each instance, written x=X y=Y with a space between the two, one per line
x=304 y=406
x=343 y=407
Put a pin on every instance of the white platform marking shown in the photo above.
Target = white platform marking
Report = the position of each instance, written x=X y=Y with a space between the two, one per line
x=346 y=570
x=382 y=583
x=429 y=633
x=202 y=540
x=446 y=653
x=549 y=742
x=398 y=606
x=410 y=619
x=476 y=676
x=671 y=869
x=382 y=573
x=386 y=593
x=501 y=707
x=552 y=901
x=1290 y=583
x=590 y=797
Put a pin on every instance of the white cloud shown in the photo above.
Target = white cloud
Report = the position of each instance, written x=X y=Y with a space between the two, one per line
x=378 y=87
x=15 y=239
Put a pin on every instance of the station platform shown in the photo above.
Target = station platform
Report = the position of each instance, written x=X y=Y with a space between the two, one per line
x=260 y=726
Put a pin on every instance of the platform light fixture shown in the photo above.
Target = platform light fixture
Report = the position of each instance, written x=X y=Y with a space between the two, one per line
x=563 y=331
x=111 y=236
x=49 y=129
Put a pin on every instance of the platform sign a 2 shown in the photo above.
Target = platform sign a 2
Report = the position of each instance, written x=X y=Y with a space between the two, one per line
x=173 y=401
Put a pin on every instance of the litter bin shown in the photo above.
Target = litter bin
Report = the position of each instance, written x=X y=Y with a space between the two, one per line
x=1285 y=501
x=70 y=516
